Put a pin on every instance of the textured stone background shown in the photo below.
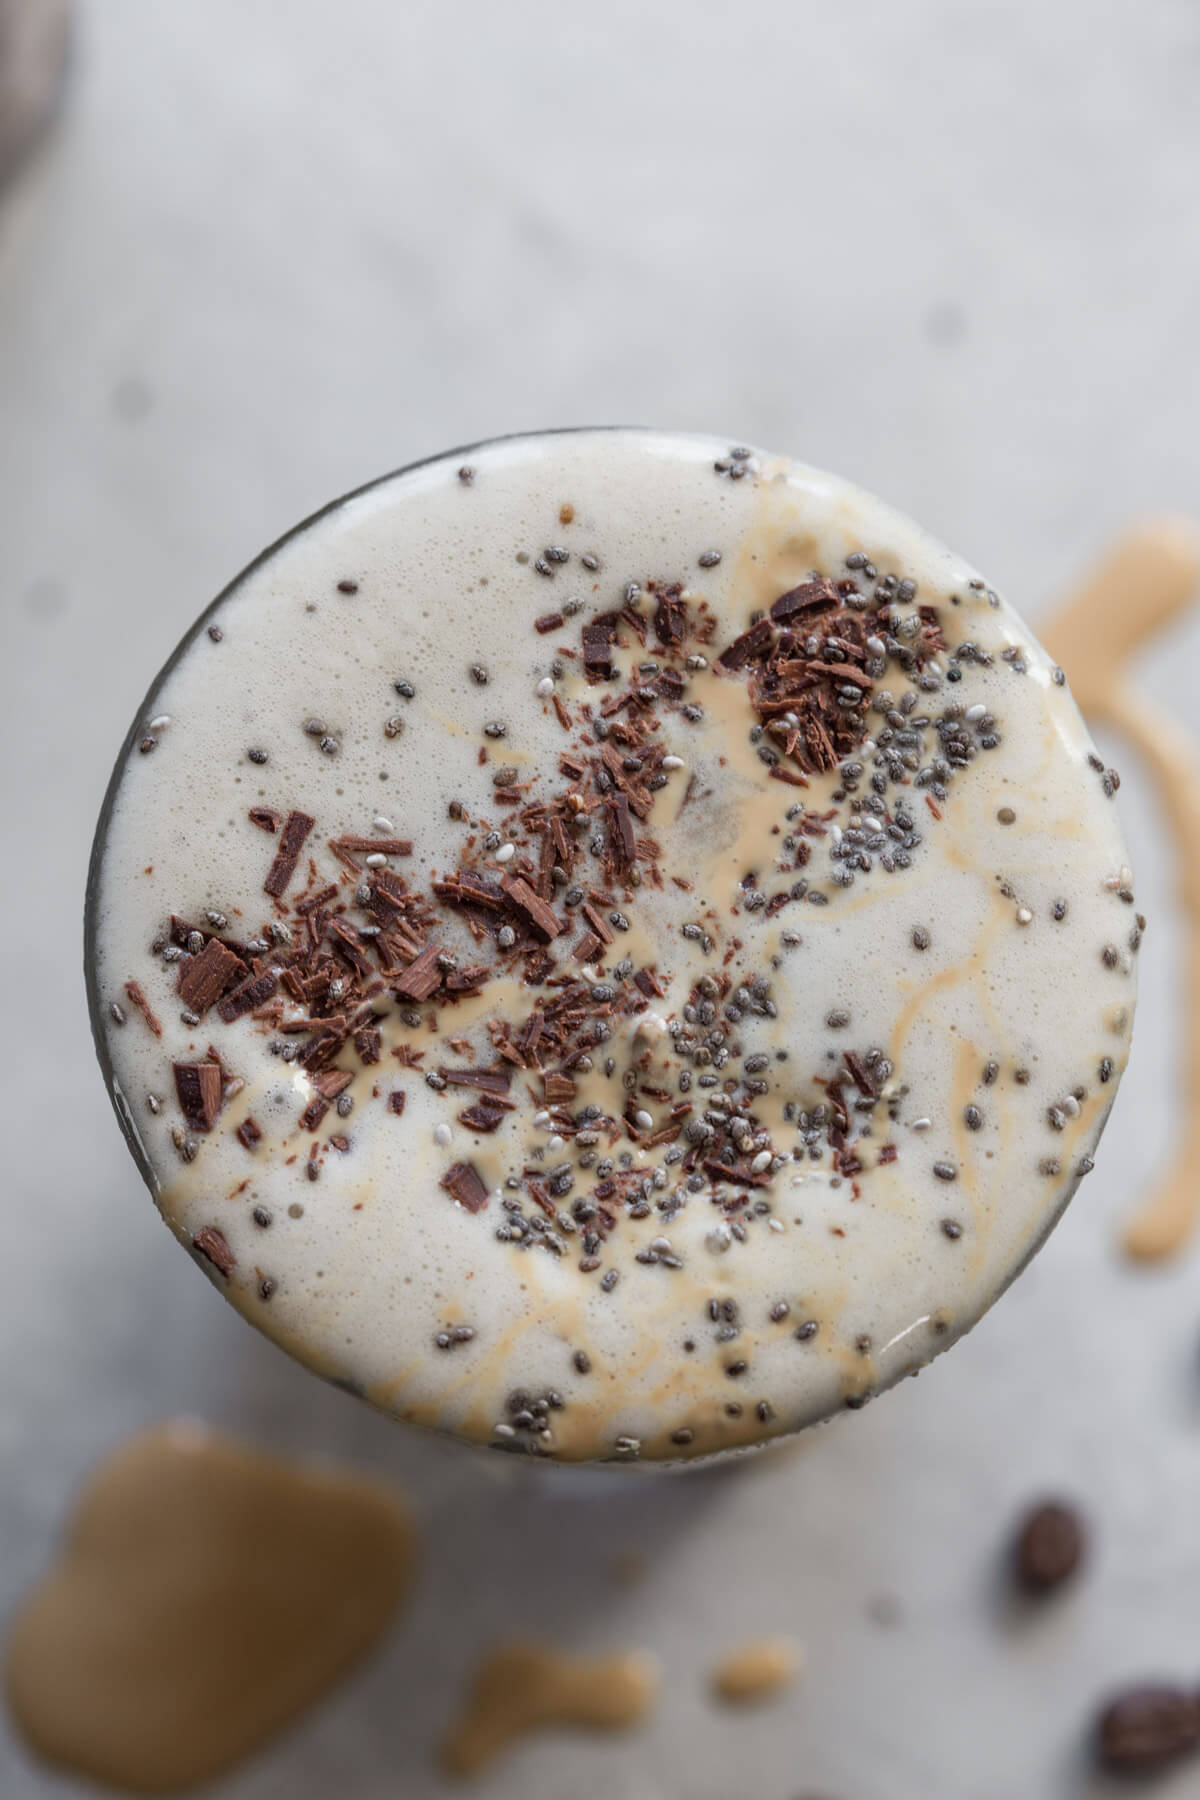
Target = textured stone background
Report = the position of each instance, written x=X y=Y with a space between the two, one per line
x=272 y=250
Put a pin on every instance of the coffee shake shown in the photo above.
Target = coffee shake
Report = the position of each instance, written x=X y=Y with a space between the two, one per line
x=612 y=945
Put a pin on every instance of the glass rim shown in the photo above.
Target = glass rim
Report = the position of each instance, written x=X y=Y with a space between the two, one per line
x=96 y=1005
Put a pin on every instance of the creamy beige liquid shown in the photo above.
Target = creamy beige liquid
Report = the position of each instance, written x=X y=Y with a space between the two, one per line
x=783 y=1138
x=756 y=1671
x=1146 y=580
x=204 y=1597
x=522 y=1687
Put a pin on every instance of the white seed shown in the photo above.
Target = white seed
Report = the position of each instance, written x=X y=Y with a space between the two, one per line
x=1070 y=1106
x=376 y=860
x=161 y=723
x=719 y=1239
x=506 y=852
x=661 y=1246
x=775 y=1224
x=1024 y=916
x=643 y=1120
x=556 y=1143
x=541 y=1119
x=975 y=712
x=442 y=1134
x=379 y=823
x=545 y=688
x=877 y=647
x=651 y=1026
x=762 y=1161
x=671 y=762
x=921 y=1124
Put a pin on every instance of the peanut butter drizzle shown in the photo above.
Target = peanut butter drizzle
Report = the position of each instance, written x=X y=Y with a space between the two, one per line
x=205 y=1596
x=1146 y=580
x=524 y=1687
x=756 y=1671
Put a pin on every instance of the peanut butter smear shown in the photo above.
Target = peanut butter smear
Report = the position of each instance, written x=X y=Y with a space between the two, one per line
x=615 y=946
x=523 y=1687
x=756 y=1671
x=204 y=1597
x=1147 y=579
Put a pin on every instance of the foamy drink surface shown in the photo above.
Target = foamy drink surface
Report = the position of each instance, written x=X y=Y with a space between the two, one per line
x=613 y=945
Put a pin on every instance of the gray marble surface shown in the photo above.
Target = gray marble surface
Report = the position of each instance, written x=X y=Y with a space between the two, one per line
x=272 y=250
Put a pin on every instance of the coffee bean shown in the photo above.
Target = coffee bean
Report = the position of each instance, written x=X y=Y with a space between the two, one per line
x=1049 y=1546
x=1147 y=1727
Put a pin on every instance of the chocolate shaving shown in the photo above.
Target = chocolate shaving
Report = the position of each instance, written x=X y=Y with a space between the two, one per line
x=134 y=993
x=389 y=896
x=396 y=1101
x=252 y=993
x=206 y=977
x=810 y=596
x=932 y=629
x=496 y=1080
x=469 y=889
x=562 y=843
x=332 y=1082
x=371 y=846
x=597 y=921
x=368 y=1044
x=422 y=976
x=266 y=818
x=548 y=622
x=248 y=1133
x=623 y=840
x=325 y=1044
x=748 y=645
x=534 y=1026
x=860 y=1075
x=348 y=945
x=468 y=980
x=462 y=1182
x=588 y=949
x=536 y=911
x=214 y=1247
x=665 y=1134
x=484 y=1115
x=838 y=671
x=198 y=1085
x=314 y=1112
x=635 y=622
x=296 y=828
x=598 y=639
x=741 y=1174
x=322 y=897
x=558 y=1088
x=670 y=617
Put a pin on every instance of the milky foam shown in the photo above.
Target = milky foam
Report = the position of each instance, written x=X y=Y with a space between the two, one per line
x=965 y=999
